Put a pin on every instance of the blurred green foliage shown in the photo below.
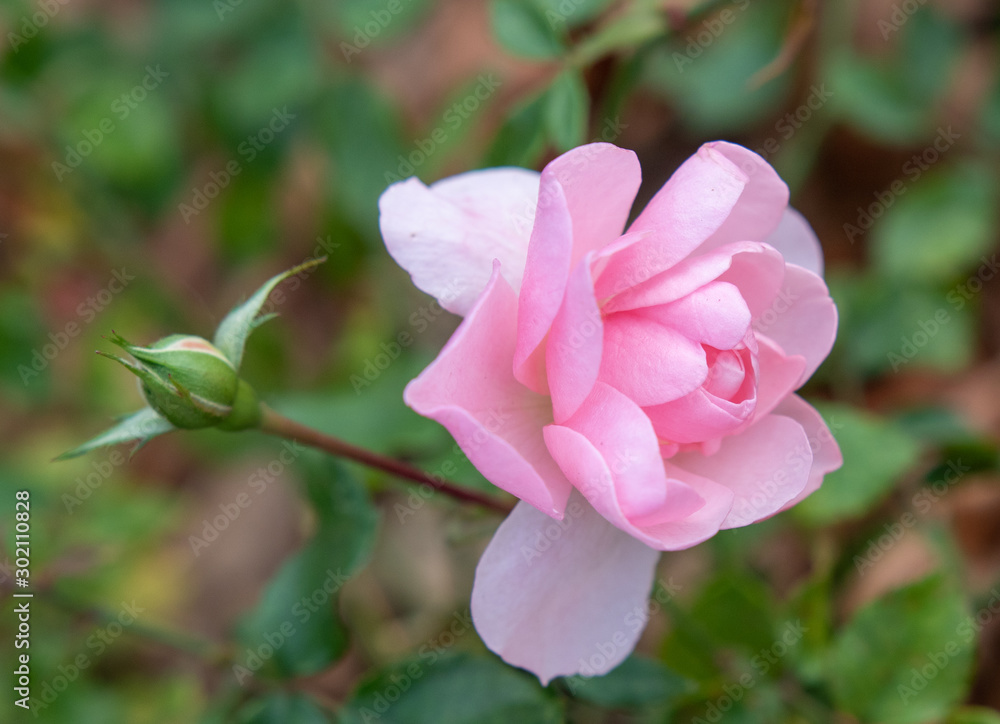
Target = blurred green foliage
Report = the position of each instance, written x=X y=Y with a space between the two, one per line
x=203 y=145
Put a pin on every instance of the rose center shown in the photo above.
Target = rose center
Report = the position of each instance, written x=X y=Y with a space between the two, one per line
x=725 y=373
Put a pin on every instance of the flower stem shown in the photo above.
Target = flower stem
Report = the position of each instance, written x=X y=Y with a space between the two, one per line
x=276 y=424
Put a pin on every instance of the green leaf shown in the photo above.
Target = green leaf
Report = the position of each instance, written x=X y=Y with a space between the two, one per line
x=938 y=227
x=876 y=452
x=521 y=139
x=693 y=646
x=24 y=371
x=905 y=658
x=636 y=683
x=231 y=336
x=690 y=650
x=523 y=30
x=637 y=27
x=753 y=629
x=741 y=700
x=366 y=149
x=573 y=13
x=363 y=24
x=246 y=222
x=896 y=98
x=709 y=73
x=887 y=325
x=929 y=50
x=270 y=78
x=281 y=708
x=135 y=144
x=143 y=426
x=936 y=425
x=874 y=100
x=812 y=604
x=567 y=106
x=990 y=117
x=974 y=715
x=458 y=689
x=296 y=616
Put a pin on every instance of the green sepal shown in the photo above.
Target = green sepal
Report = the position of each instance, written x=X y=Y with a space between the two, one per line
x=246 y=410
x=184 y=378
x=143 y=426
x=203 y=370
x=232 y=334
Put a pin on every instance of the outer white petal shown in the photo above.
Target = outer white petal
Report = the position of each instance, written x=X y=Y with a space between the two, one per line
x=560 y=598
x=447 y=235
x=797 y=242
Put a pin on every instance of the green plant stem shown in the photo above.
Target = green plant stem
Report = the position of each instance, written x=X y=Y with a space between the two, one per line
x=276 y=424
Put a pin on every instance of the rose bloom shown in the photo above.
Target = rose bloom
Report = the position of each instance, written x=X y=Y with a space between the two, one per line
x=635 y=390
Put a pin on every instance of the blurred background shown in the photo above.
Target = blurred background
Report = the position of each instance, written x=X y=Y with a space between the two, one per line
x=160 y=160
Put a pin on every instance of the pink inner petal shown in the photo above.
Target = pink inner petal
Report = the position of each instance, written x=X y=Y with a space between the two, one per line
x=471 y=390
x=649 y=362
x=714 y=314
x=574 y=347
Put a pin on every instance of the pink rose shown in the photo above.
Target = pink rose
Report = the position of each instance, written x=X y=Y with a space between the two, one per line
x=635 y=391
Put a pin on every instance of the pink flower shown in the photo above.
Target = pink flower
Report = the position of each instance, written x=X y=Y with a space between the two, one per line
x=635 y=391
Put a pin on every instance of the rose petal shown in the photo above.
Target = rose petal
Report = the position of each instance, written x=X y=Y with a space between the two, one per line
x=609 y=452
x=797 y=242
x=802 y=319
x=624 y=437
x=448 y=235
x=574 y=348
x=826 y=456
x=585 y=466
x=583 y=203
x=762 y=204
x=766 y=466
x=648 y=361
x=695 y=272
x=714 y=314
x=600 y=182
x=690 y=207
x=698 y=417
x=555 y=598
x=758 y=277
x=471 y=390
x=545 y=276
x=778 y=377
